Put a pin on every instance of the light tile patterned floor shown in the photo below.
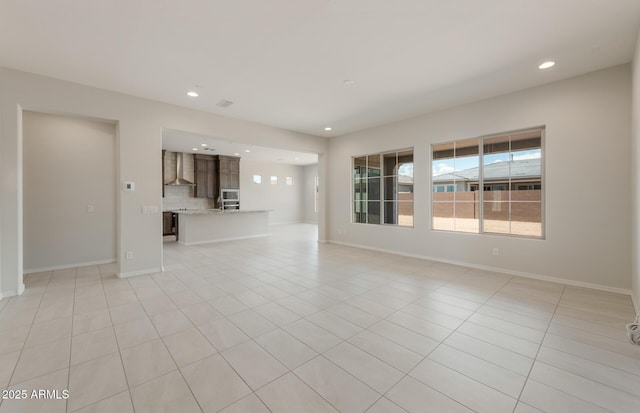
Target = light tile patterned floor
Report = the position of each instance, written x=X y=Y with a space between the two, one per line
x=285 y=324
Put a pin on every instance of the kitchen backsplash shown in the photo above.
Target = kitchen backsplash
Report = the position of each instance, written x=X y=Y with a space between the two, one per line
x=180 y=197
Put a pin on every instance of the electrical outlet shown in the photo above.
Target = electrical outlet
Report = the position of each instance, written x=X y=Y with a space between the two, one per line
x=150 y=209
x=496 y=252
x=129 y=255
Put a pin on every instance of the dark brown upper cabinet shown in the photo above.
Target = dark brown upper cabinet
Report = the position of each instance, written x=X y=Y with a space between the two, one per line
x=206 y=176
x=229 y=172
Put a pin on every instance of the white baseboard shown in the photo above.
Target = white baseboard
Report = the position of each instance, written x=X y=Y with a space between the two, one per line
x=298 y=221
x=139 y=272
x=67 y=266
x=222 y=240
x=540 y=277
x=275 y=224
x=12 y=293
x=636 y=305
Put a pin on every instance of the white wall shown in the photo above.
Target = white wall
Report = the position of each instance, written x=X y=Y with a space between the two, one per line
x=69 y=164
x=139 y=141
x=310 y=215
x=587 y=172
x=635 y=154
x=284 y=202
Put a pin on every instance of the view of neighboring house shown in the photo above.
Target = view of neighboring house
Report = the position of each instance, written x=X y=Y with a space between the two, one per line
x=511 y=198
x=517 y=175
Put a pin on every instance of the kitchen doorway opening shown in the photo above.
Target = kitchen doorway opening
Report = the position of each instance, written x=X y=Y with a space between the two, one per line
x=200 y=172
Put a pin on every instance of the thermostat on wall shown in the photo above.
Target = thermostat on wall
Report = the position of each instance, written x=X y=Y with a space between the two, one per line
x=128 y=186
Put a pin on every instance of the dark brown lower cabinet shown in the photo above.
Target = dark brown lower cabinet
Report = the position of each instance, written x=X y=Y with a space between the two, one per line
x=167 y=223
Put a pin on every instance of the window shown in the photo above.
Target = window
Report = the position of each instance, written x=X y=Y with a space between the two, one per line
x=508 y=169
x=383 y=188
x=289 y=180
x=274 y=180
x=257 y=179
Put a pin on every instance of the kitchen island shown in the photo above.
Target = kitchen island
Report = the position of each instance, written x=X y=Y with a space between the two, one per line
x=213 y=225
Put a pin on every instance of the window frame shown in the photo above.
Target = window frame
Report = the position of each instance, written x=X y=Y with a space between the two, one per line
x=481 y=184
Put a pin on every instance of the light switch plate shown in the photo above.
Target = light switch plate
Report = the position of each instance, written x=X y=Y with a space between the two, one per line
x=150 y=209
x=128 y=186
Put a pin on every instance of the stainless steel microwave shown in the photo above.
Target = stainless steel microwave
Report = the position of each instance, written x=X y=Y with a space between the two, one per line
x=230 y=198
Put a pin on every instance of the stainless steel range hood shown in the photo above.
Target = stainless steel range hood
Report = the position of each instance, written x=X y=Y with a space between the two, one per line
x=180 y=181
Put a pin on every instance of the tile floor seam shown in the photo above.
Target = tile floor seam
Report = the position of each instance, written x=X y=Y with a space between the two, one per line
x=635 y=396
x=493 y=344
x=242 y=378
x=284 y=332
x=535 y=359
x=373 y=355
x=343 y=339
x=512 y=322
x=352 y=375
x=254 y=392
x=592 y=361
x=314 y=390
x=73 y=313
x=503 y=332
x=242 y=398
x=408 y=374
x=195 y=399
x=388 y=400
x=101 y=400
x=25 y=340
x=113 y=327
x=129 y=389
x=589 y=331
x=469 y=377
x=432 y=310
x=570 y=395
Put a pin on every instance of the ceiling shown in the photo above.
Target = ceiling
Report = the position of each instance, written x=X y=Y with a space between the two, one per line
x=180 y=141
x=284 y=62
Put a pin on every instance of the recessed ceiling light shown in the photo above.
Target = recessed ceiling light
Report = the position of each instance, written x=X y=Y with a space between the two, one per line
x=203 y=144
x=247 y=150
x=236 y=154
x=192 y=94
x=297 y=158
x=195 y=149
x=546 y=65
x=349 y=82
x=328 y=128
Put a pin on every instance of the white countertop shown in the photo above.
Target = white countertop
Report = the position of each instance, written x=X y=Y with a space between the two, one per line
x=215 y=211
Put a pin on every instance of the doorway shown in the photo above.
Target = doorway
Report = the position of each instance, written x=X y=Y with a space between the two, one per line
x=69 y=192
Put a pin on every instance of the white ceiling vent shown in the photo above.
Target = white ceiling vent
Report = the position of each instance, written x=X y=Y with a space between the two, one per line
x=224 y=103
